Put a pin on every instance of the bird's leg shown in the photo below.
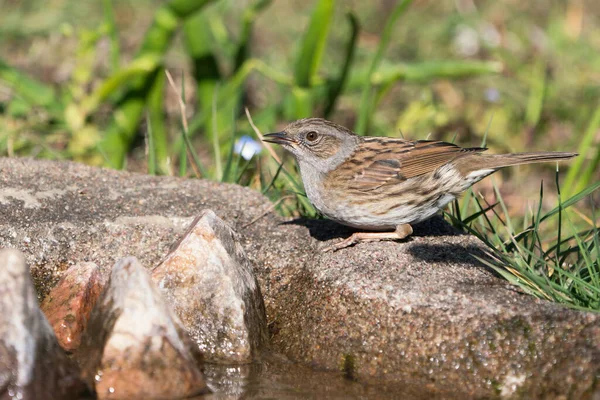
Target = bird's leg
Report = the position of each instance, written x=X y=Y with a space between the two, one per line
x=401 y=232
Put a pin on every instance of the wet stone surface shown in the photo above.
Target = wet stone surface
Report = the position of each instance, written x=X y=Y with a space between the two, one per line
x=421 y=313
x=32 y=364
x=208 y=280
x=133 y=346
x=68 y=305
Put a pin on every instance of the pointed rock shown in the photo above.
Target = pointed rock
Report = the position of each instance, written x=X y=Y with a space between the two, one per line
x=134 y=346
x=69 y=304
x=32 y=364
x=209 y=281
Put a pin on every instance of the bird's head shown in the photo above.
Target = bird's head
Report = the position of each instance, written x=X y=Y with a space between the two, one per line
x=316 y=143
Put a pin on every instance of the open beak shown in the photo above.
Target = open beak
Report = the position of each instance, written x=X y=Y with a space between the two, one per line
x=278 y=138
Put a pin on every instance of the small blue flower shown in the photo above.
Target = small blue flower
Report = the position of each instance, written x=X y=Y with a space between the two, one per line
x=247 y=147
x=492 y=94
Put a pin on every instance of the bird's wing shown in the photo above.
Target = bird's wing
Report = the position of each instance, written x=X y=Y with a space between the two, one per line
x=386 y=161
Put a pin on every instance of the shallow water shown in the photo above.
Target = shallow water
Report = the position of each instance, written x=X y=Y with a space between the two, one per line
x=277 y=378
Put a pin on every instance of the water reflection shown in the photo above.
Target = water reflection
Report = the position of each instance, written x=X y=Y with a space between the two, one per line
x=277 y=378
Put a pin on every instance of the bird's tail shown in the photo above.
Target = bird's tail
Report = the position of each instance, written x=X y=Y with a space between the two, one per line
x=488 y=163
x=506 y=160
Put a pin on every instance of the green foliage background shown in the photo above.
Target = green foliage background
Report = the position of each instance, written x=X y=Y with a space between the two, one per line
x=86 y=81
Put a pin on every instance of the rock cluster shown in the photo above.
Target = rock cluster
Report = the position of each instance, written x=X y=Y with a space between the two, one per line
x=422 y=316
x=132 y=339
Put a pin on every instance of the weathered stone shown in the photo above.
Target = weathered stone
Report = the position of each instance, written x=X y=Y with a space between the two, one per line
x=209 y=282
x=60 y=214
x=68 y=306
x=420 y=313
x=32 y=364
x=133 y=346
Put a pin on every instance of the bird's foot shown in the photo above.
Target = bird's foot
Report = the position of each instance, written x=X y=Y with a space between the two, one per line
x=401 y=232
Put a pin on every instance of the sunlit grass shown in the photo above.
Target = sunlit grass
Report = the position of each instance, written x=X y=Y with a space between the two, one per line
x=551 y=257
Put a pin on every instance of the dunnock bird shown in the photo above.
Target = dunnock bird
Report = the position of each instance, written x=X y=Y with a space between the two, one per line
x=383 y=184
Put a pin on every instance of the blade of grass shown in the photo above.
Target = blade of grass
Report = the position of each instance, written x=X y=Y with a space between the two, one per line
x=536 y=94
x=150 y=150
x=560 y=208
x=183 y=155
x=234 y=84
x=113 y=34
x=229 y=171
x=365 y=108
x=33 y=92
x=195 y=160
x=156 y=116
x=275 y=176
x=250 y=14
x=244 y=169
x=215 y=135
x=477 y=214
x=569 y=202
x=313 y=43
x=121 y=132
x=426 y=71
x=337 y=86
x=199 y=42
x=574 y=181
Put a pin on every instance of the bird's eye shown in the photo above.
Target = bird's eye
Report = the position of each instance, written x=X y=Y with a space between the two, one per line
x=311 y=136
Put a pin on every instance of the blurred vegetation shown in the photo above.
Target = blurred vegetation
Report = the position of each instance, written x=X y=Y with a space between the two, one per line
x=86 y=81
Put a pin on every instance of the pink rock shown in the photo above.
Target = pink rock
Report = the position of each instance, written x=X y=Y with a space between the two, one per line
x=69 y=304
x=209 y=282
x=134 y=346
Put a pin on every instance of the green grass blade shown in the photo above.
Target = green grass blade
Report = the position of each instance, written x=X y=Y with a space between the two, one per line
x=537 y=94
x=365 y=107
x=465 y=203
x=215 y=136
x=183 y=158
x=156 y=117
x=243 y=50
x=508 y=221
x=572 y=200
x=573 y=180
x=198 y=43
x=33 y=92
x=298 y=104
x=592 y=169
x=150 y=150
x=120 y=133
x=487 y=131
x=337 y=86
x=244 y=169
x=234 y=84
x=113 y=34
x=427 y=71
x=479 y=213
x=560 y=208
x=229 y=171
x=122 y=129
x=191 y=151
x=137 y=72
x=272 y=182
x=313 y=43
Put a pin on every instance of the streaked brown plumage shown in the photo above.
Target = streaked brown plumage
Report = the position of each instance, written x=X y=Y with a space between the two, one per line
x=385 y=184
